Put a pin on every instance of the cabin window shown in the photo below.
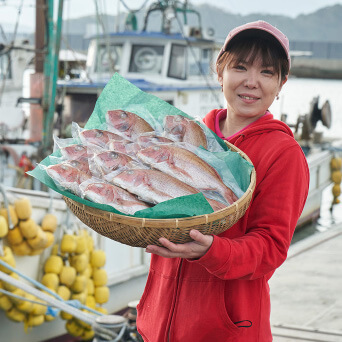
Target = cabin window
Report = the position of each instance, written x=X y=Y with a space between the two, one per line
x=177 y=62
x=5 y=67
x=146 y=59
x=199 y=61
x=108 y=58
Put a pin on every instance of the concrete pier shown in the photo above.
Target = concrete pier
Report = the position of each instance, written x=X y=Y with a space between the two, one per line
x=306 y=291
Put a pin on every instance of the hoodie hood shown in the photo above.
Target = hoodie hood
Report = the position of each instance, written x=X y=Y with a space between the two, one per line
x=263 y=125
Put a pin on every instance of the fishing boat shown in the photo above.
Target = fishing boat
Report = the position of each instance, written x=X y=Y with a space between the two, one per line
x=175 y=65
x=14 y=60
x=178 y=68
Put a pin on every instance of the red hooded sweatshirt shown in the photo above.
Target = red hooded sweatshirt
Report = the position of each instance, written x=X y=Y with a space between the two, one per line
x=224 y=295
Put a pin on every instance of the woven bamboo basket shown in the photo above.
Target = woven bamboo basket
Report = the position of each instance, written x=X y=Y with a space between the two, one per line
x=140 y=232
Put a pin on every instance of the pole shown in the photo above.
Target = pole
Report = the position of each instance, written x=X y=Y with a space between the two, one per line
x=49 y=33
x=51 y=73
x=40 y=35
x=54 y=58
x=37 y=78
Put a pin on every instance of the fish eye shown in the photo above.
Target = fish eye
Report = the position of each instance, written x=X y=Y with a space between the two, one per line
x=130 y=172
x=123 y=115
x=156 y=148
x=124 y=127
x=177 y=130
x=114 y=155
x=98 y=134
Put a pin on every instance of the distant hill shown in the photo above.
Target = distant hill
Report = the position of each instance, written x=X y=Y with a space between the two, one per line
x=322 y=25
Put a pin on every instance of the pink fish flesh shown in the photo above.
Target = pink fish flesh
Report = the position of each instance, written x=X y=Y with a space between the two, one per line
x=129 y=124
x=182 y=129
x=109 y=161
x=152 y=186
x=187 y=167
x=98 y=137
x=74 y=151
x=148 y=139
x=67 y=176
x=126 y=147
x=114 y=196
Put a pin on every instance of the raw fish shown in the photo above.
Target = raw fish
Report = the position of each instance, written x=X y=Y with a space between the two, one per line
x=109 y=161
x=181 y=129
x=125 y=146
x=152 y=186
x=67 y=176
x=114 y=196
x=149 y=139
x=187 y=167
x=98 y=137
x=129 y=124
x=74 y=151
x=80 y=164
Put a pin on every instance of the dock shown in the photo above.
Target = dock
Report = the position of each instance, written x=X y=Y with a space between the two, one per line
x=306 y=291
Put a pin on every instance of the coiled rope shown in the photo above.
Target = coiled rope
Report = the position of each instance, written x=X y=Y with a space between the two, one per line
x=71 y=307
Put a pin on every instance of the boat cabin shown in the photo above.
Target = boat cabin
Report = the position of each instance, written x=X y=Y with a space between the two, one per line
x=151 y=55
x=176 y=68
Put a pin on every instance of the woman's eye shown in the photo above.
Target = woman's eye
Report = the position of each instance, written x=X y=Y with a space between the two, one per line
x=268 y=72
x=240 y=67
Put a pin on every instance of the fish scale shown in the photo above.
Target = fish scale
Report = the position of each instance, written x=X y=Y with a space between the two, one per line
x=187 y=167
x=152 y=185
x=129 y=124
x=185 y=130
x=118 y=198
x=98 y=137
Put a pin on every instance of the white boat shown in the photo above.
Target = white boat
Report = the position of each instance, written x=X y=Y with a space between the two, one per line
x=126 y=266
x=14 y=60
x=176 y=67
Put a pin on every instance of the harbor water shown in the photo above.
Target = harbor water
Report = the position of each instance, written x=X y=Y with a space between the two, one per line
x=296 y=96
x=295 y=99
x=305 y=290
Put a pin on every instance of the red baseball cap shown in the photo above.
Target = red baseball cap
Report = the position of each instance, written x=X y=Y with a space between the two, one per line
x=261 y=26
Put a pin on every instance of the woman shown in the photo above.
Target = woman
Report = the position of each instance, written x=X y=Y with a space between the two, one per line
x=216 y=287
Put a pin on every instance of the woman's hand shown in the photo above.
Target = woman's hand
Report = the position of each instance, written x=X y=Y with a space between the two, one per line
x=190 y=250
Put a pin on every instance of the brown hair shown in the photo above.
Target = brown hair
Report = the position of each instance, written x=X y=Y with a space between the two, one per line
x=271 y=53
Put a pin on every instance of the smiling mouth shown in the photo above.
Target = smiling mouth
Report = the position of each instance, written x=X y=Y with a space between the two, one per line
x=248 y=97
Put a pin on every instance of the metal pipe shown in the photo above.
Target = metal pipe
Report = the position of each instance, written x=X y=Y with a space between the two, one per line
x=48 y=124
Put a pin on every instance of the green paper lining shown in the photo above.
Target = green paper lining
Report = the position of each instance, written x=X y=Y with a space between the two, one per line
x=121 y=94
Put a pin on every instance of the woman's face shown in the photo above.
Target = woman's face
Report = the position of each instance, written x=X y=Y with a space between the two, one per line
x=249 y=88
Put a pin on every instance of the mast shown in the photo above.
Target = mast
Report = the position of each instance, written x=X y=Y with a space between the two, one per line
x=169 y=10
x=51 y=73
x=43 y=82
x=37 y=78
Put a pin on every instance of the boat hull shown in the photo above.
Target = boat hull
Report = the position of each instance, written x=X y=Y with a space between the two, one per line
x=127 y=267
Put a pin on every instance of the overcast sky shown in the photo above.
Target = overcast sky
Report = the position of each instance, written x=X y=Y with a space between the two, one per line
x=9 y=9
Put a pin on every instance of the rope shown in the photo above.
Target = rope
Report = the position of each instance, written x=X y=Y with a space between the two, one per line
x=8 y=293
x=136 y=10
x=74 y=303
x=205 y=77
x=3 y=192
x=9 y=61
x=87 y=318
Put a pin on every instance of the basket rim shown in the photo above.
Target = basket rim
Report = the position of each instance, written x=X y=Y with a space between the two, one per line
x=175 y=222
